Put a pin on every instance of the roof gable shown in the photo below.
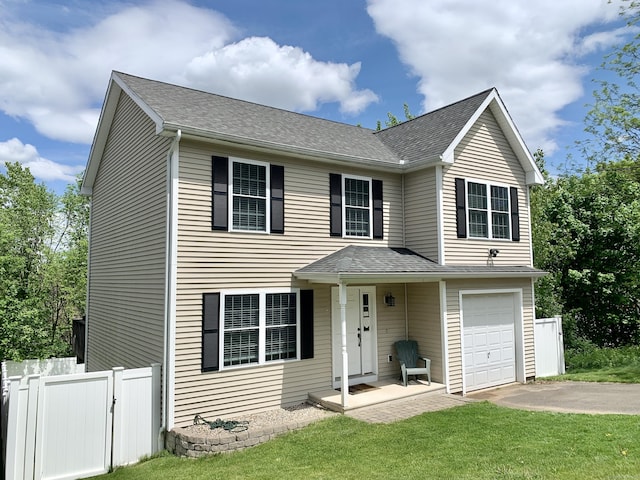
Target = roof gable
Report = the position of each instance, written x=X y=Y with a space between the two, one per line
x=433 y=137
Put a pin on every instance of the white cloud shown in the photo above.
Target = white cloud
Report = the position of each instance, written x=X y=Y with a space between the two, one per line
x=27 y=155
x=530 y=51
x=56 y=78
x=259 y=70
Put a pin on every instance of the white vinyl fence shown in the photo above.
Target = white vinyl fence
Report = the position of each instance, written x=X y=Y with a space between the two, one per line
x=79 y=425
x=549 y=347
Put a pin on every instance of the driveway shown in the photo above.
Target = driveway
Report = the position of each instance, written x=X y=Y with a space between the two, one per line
x=567 y=397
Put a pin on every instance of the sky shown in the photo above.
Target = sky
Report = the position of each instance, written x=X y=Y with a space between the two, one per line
x=351 y=61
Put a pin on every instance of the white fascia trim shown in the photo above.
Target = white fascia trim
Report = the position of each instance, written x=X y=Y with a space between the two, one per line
x=157 y=119
x=494 y=102
x=100 y=137
x=169 y=367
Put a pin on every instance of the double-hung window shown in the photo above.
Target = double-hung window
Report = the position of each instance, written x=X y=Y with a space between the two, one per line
x=249 y=187
x=246 y=195
x=259 y=327
x=357 y=207
x=488 y=211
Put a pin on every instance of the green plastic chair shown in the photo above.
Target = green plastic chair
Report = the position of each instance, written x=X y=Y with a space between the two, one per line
x=407 y=351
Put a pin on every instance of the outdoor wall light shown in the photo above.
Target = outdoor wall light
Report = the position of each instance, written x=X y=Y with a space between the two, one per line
x=493 y=253
x=389 y=300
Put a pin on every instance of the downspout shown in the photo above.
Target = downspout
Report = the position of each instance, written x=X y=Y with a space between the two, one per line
x=406 y=313
x=404 y=245
x=342 y=288
x=168 y=370
x=86 y=304
x=440 y=214
x=444 y=329
x=404 y=229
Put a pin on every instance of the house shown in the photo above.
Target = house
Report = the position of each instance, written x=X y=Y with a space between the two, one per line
x=261 y=254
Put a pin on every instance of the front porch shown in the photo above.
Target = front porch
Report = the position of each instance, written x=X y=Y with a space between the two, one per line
x=382 y=391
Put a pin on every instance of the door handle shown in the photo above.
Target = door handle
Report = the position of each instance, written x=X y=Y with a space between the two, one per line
x=359 y=337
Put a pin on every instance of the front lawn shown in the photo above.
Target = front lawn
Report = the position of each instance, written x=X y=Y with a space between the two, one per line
x=474 y=441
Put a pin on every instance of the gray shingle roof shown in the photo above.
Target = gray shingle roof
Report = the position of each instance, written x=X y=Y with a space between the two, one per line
x=356 y=259
x=429 y=135
x=186 y=108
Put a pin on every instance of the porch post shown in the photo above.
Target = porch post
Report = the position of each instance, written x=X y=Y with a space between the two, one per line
x=345 y=356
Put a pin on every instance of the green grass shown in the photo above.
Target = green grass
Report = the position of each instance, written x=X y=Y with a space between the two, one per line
x=621 y=374
x=474 y=441
x=589 y=363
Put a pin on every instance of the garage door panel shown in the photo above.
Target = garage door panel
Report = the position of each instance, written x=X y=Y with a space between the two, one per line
x=489 y=336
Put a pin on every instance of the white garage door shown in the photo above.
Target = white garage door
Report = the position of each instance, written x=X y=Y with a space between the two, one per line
x=489 y=340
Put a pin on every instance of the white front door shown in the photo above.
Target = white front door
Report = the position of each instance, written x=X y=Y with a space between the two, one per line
x=361 y=334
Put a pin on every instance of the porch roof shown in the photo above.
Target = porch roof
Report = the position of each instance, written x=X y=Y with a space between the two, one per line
x=357 y=264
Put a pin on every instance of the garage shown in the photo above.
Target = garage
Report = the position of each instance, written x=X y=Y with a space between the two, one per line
x=489 y=339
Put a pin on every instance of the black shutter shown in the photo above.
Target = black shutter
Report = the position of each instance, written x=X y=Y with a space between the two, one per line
x=461 y=208
x=210 y=331
x=277 y=199
x=335 y=200
x=378 y=226
x=219 y=193
x=306 y=324
x=515 y=215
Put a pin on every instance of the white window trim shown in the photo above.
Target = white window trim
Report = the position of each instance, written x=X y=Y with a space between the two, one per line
x=489 y=210
x=232 y=161
x=262 y=326
x=344 y=206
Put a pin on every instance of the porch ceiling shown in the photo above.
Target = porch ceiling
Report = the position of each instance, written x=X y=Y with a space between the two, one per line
x=360 y=264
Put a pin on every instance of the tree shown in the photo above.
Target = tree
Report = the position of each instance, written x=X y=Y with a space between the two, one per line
x=43 y=251
x=25 y=228
x=66 y=278
x=587 y=235
x=614 y=118
x=392 y=120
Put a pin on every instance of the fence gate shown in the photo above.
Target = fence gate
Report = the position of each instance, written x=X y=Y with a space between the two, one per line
x=79 y=425
x=549 y=347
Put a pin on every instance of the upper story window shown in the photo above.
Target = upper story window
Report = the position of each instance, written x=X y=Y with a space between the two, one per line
x=356 y=208
x=247 y=195
x=250 y=208
x=486 y=211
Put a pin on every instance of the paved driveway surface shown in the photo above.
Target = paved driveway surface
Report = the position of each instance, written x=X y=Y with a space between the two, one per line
x=572 y=397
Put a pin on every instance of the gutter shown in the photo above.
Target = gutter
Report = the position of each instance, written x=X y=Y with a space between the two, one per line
x=410 y=277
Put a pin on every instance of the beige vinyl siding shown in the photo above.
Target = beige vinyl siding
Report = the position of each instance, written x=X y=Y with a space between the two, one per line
x=453 y=322
x=210 y=261
x=391 y=328
x=421 y=213
x=127 y=249
x=425 y=325
x=484 y=154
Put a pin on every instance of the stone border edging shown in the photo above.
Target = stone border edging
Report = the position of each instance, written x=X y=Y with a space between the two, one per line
x=184 y=444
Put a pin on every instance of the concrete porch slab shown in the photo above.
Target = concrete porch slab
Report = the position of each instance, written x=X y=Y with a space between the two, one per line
x=384 y=391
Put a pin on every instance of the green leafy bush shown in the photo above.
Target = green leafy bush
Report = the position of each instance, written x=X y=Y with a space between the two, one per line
x=587 y=356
